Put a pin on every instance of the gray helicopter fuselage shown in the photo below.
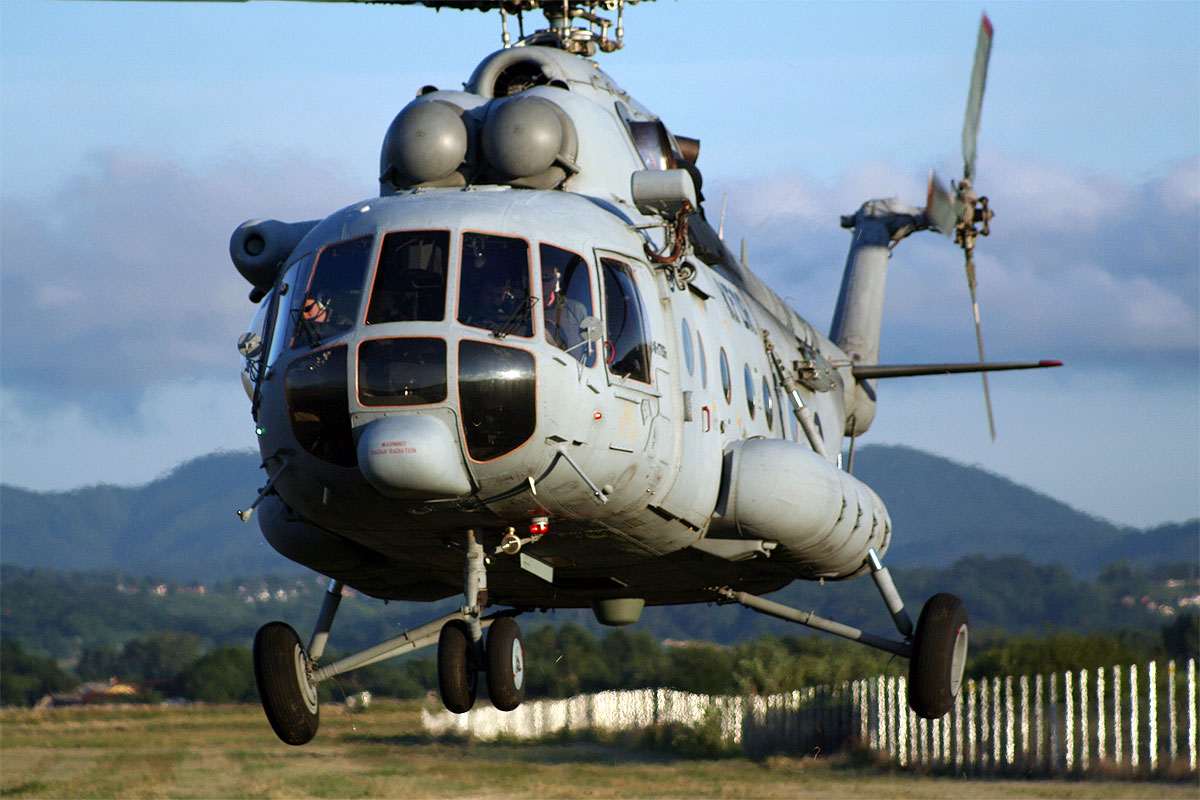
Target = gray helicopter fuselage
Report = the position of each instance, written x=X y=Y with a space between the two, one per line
x=463 y=354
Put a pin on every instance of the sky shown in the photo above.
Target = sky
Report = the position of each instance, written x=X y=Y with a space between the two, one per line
x=134 y=137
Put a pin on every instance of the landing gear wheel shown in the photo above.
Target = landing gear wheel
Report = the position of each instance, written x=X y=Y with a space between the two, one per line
x=458 y=675
x=939 y=654
x=281 y=670
x=506 y=664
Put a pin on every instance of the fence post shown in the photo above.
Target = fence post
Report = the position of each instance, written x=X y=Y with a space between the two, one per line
x=1118 y=739
x=1152 y=714
x=1069 y=720
x=972 y=730
x=1101 y=718
x=1172 y=716
x=958 y=731
x=1025 y=761
x=1191 y=710
x=881 y=702
x=1084 y=738
x=984 y=723
x=1010 y=744
x=1053 y=761
x=1039 y=707
x=1133 y=718
x=997 y=727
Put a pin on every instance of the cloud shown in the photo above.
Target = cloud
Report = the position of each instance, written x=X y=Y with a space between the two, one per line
x=1084 y=267
x=121 y=280
x=60 y=446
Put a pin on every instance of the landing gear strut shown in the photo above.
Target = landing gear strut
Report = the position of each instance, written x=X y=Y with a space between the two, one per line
x=287 y=673
x=937 y=650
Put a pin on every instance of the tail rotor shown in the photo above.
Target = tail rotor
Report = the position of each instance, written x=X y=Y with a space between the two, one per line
x=959 y=212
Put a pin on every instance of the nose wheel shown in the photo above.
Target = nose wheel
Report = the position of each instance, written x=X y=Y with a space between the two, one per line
x=284 y=677
x=506 y=664
x=458 y=667
x=458 y=673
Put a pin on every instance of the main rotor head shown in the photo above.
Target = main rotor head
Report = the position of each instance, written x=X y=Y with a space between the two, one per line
x=562 y=15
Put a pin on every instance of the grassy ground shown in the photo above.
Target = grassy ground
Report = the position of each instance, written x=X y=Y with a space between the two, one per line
x=230 y=752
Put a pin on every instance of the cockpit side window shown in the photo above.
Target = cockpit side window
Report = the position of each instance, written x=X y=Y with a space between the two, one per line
x=286 y=296
x=493 y=286
x=566 y=301
x=330 y=304
x=410 y=283
x=627 y=348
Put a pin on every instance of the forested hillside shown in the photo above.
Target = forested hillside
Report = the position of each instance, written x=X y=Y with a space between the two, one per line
x=183 y=526
x=63 y=613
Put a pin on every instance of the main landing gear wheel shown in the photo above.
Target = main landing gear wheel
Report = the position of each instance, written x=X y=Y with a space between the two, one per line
x=458 y=675
x=506 y=664
x=939 y=655
x=281 y=670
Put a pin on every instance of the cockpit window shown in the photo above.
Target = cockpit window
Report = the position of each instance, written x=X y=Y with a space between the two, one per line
x=329 y=306
x=627 y=348
x=566 y=301
x=493 y=289
x=402 y=372
x=410 y=283
x=316 y=397
x=497 y=393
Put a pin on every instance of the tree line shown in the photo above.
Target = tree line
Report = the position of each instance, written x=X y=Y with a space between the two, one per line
x=566 y=660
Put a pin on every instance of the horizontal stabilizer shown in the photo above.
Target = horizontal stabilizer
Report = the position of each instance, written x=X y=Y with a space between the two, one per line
x=868 y=371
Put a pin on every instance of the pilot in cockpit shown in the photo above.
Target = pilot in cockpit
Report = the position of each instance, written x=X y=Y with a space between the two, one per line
x=564 y=315
x=496 y=305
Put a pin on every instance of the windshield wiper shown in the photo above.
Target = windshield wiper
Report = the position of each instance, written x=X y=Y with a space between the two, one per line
x=517 y=318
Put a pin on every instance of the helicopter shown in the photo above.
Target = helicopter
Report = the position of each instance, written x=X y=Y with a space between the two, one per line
x=532 y=373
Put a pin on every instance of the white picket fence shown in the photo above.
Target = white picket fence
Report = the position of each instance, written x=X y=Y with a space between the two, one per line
x=1126 y=720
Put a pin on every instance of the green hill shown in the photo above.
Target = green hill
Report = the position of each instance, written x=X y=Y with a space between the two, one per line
x=182 y=526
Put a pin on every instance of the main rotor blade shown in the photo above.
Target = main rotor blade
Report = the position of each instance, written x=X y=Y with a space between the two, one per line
x=987 y=395
x=970 y=133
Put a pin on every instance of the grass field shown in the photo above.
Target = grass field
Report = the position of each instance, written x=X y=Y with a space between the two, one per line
x=230 y=752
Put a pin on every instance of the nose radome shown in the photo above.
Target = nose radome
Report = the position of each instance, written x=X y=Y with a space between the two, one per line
x=413 y=456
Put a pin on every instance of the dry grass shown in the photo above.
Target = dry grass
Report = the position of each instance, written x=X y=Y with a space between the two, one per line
x=230 y=752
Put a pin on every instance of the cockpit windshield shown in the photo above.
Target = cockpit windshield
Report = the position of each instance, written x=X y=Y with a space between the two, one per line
x=410 y=284
x=493 y=287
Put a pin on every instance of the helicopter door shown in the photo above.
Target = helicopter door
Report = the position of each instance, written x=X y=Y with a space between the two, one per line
x=693 y=494
x=641 y=425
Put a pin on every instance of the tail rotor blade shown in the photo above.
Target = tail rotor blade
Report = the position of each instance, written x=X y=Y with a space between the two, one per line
x=942 y=209
x=970 y=133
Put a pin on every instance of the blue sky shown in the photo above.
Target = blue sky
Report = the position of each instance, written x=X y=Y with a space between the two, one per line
x=135 y=136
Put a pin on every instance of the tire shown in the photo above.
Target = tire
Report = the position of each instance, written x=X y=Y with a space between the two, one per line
x=506 y=664
x=939 y=655
x=458 y=676
x=281 y=671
